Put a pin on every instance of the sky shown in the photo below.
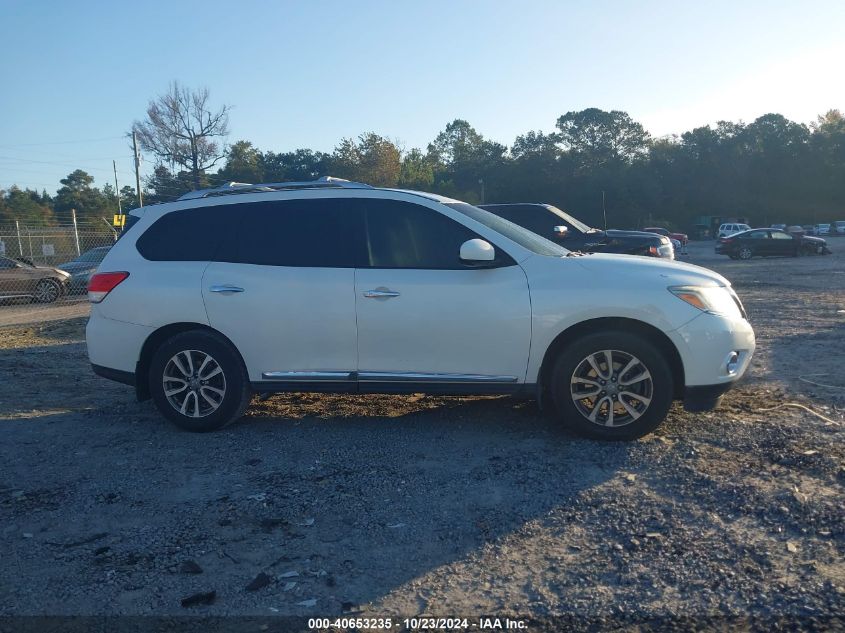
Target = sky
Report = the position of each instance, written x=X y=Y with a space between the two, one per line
x=306 y=74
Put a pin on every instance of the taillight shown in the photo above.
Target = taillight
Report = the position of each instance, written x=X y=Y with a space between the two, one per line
x=102 y=284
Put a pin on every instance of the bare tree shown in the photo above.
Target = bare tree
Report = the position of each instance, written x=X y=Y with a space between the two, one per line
x=180 y=129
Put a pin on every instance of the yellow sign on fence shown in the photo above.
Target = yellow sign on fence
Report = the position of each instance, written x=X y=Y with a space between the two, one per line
x=119 y=220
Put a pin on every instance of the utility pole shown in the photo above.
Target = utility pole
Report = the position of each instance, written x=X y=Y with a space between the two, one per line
x=75 y=232
x=116 y=189
x=137 y=168
x=603 y=209
x=481 y=182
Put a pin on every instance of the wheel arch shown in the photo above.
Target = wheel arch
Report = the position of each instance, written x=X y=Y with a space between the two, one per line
x=155 y=339
x=649 y=332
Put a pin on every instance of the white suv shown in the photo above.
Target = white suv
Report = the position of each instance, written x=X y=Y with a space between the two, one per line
x=726 y=230
x=340 y=287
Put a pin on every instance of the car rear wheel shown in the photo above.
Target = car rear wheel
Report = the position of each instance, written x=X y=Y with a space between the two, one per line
x=612 y=386
x=198 y=381
x=47 y=291
x=746 y=253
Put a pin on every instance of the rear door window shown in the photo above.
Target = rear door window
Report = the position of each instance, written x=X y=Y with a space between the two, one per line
x=309 y=233
x=314 y=233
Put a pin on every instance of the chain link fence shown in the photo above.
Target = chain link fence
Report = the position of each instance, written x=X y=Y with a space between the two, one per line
x=48 y=266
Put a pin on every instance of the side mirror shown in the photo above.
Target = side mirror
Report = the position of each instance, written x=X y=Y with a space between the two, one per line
x=561 y=231
x=477 y=250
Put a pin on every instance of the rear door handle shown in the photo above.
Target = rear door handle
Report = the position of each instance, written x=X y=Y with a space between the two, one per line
x=225 y=289
x=379 y=293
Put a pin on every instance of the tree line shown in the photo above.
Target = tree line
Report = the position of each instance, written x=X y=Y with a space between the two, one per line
x=769 y=170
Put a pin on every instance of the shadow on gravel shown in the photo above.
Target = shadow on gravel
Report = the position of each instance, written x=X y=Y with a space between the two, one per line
x=352 y=501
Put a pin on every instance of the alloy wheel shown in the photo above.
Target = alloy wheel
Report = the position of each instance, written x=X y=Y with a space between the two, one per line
x=611 y=388
x=46 y=291
x=745 y=253
x=194 y=383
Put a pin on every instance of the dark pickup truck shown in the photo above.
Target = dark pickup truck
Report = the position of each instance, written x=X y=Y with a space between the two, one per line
x=560 y=227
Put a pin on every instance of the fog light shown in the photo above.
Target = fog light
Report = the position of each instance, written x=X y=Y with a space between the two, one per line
x=733 y=363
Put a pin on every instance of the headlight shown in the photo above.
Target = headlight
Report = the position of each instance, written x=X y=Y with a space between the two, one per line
x=713 y=299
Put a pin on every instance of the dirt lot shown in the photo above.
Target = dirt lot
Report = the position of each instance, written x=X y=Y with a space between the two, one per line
x=447 y=506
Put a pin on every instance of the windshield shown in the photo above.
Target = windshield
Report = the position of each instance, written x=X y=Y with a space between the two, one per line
x=576 y=223
x=514 y=232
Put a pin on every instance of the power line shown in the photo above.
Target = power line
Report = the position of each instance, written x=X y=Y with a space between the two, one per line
x=88 y=140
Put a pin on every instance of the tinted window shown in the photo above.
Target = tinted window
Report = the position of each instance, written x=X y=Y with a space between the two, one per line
x=758 y=235
x=316 y=233
x=406 y=235
x=186 y=235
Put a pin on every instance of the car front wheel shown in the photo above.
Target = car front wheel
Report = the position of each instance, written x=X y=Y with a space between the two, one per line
x=612 y=386
x=746 y=253
x=198 y=381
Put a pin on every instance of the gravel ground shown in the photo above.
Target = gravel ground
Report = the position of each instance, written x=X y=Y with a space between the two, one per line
x=25 y=311
x=317 y=505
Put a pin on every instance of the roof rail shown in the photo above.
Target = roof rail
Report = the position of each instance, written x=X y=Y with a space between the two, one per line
x=242 y=187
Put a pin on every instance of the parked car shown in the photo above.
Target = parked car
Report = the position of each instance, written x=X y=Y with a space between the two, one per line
x=731 y=229
x=336 y=286
x=838 y=228
x=796 y=230
x=683 y=238
x=781 y=227
x=821 y=229
x=769 y=242
x=83 y=267
x=809 y=229
x=571 y=233
x=20 y=278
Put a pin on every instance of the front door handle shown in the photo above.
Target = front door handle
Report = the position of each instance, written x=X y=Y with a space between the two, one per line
x=225 y=289
x=380 y=293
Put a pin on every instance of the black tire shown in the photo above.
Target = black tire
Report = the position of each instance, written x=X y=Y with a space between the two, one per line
x=234 y=384
x=746 y=252
x=47 y=291
x=572 y=359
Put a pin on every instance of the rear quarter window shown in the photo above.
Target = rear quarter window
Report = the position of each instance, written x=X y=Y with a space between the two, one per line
x=188 y=234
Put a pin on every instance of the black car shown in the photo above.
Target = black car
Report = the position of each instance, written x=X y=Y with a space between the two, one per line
x=769 y=242
x=556 y=225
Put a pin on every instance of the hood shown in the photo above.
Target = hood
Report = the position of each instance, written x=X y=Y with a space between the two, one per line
x=53 y=269
x=637 y=271
x=635 y=234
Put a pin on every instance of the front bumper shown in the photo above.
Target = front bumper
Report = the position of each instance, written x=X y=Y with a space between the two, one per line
x=715 y=351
